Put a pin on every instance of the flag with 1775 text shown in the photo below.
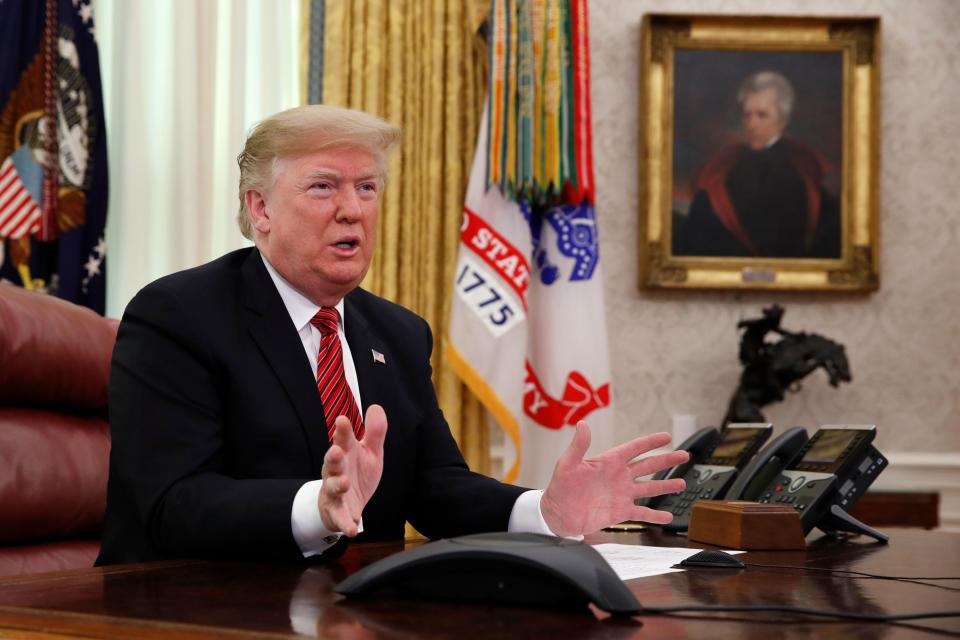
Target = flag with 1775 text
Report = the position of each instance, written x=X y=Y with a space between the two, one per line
x=527 y=326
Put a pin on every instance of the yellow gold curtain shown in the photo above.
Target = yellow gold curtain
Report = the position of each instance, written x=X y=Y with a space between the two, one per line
x=421 y=65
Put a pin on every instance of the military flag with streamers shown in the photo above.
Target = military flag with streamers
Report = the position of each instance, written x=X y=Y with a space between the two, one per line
x=53 y=150
x=527 y=327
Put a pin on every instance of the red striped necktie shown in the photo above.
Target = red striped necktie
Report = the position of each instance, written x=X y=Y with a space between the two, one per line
x=331 y=380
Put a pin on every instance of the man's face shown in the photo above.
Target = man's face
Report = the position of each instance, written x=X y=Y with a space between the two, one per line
x=761 y=118
x=317 y=223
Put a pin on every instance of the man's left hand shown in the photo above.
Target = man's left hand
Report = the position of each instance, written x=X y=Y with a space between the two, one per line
x=586 y=495
x=351 y=471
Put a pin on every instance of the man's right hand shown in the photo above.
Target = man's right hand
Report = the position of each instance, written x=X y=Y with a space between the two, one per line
x=351 y=471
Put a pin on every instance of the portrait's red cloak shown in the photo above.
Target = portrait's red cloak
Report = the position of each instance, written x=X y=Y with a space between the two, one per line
x=712 y=179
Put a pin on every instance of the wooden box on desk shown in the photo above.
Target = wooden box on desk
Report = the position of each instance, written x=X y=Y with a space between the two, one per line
x=736 y=524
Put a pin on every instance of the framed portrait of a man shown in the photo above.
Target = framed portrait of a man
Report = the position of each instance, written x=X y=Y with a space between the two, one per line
x=759 y=152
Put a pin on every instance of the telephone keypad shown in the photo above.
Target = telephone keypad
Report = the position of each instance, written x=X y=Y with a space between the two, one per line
x=703 y=483
x=801 y=490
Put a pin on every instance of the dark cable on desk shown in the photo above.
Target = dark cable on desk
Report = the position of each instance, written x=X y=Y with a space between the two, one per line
x=922 y=580
x=850 y=571
x=842 y=615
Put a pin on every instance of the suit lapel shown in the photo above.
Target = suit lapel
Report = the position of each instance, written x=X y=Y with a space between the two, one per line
x=270 y=326
x=371 y=357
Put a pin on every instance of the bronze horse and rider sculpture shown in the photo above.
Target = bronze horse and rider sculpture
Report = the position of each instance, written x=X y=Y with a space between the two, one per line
x=770 y=369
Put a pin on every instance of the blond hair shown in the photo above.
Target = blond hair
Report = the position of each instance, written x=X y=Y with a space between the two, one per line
x=301 y=130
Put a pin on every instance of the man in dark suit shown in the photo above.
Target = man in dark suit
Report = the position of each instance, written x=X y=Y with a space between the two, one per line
x=236 y=386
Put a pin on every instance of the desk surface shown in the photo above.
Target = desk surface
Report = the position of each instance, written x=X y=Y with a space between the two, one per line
x=235 y=600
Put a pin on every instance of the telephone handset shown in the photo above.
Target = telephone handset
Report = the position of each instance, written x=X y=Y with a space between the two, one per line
x=711 y=469
x=699 y=445
x=774 y=458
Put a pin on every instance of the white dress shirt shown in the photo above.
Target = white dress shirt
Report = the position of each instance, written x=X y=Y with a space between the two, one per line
x=308 y=529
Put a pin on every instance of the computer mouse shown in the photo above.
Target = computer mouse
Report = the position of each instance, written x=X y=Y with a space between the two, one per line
x=711 y=558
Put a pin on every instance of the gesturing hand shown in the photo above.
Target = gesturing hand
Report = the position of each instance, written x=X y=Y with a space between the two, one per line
x=351 y=471
x=586 y=495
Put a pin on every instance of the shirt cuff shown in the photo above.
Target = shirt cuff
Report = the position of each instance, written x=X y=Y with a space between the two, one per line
x=527 y=518
x=311 y=535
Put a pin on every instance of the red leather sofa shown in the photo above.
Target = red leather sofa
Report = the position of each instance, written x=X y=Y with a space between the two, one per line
x=54 y=436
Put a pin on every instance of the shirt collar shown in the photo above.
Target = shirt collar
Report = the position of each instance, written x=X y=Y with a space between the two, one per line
x=299 y=307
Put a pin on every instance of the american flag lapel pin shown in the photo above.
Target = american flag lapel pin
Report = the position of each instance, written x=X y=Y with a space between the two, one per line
x=378 y=357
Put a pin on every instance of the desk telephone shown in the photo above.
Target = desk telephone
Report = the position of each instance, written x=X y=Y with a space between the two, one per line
x=821 y=477
x=715 y=458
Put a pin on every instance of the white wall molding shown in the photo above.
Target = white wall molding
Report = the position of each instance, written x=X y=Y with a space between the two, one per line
x=912 y=471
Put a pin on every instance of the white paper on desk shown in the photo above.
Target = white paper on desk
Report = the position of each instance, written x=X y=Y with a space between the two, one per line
x=631 y=561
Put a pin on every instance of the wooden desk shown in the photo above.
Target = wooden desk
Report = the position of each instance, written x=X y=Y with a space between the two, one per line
x=231 y=600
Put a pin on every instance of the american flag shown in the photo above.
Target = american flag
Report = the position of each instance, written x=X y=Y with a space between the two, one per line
x=19 y=214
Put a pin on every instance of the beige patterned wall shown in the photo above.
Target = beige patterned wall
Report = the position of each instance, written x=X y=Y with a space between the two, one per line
x=676 y=352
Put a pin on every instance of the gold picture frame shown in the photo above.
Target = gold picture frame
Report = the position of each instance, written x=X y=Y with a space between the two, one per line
x=737 y=195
